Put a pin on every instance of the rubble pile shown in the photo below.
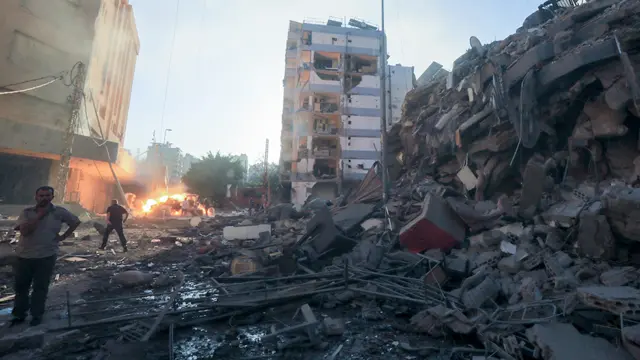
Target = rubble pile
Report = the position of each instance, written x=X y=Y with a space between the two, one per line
x=564 y=90
x=519 y=176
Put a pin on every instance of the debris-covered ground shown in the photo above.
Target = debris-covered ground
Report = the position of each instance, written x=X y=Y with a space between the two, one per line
x=511 y=231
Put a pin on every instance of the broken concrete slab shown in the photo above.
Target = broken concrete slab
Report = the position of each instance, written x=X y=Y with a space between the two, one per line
x=559 y=341
x=532 y=186
x=534 y=56
x=251 y=232
x=619 y=300
x=351 y=216
x=595 y=239
x=622 y=207
x=573 y=61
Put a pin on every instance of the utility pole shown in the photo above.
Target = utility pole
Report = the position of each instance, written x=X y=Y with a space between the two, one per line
x=267 y=184
x=77 y=94
x=383 y=103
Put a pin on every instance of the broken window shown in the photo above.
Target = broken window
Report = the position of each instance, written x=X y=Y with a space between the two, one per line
x=325 y=147
x=325 y=104
x=366 y=65
x=306 y=38
x=325 y=169
x=329 y=77
x=324 y=126
x=351 y=81
x=326 y=61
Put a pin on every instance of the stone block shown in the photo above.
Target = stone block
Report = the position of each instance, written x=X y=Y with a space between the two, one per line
x=618 y=95
x=622 y=208
x=333 y=327
x=244 y=232
x=595 y=239
x=532 y=187
x=562 y=41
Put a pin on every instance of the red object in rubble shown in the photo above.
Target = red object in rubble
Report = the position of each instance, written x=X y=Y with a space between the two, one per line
x=437 y=227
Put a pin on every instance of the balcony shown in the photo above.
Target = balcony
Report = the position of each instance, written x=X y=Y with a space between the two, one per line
x=325 y=153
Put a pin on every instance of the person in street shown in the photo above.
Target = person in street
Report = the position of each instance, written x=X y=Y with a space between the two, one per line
x=185 y=207
x=36 y=252
x=207 y=205
x=116 y=217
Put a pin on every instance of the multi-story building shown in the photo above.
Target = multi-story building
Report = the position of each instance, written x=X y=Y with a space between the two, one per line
x=187 y=161
x=43 y=38
x=167 y=156
x=331 y=129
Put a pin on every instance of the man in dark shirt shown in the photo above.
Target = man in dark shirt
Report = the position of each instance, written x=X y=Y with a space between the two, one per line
x=116 y=217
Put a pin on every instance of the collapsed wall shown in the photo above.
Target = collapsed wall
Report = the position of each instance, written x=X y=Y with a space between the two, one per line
x=563 y=88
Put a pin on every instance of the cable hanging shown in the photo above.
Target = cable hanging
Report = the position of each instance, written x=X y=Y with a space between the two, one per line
x=31 y=88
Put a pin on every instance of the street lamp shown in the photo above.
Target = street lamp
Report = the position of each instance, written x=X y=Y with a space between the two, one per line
x=164 y=140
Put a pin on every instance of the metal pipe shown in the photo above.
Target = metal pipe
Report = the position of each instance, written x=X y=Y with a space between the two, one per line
x=383 y=106
x=68 y=309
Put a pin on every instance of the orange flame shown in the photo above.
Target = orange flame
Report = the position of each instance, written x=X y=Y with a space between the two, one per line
x=149 y=204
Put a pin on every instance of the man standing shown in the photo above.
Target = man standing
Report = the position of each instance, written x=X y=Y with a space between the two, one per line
x=37 y=250
x=116 y=217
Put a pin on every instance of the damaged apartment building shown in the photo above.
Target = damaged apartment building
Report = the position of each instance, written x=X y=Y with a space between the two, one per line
x=85 y=52
x=332 y=105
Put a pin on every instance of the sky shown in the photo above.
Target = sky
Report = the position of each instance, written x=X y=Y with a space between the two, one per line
x=219 y=86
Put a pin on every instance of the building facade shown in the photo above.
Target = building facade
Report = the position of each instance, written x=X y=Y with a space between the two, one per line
x=43 y=38
x=331 y=129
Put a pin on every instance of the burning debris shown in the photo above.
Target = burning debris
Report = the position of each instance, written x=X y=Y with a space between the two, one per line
x=180 y=204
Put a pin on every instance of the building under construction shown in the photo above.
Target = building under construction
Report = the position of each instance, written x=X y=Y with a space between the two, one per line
x=66 y=71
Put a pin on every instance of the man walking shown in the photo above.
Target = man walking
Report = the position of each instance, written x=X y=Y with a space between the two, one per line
x=37 y=250
x=116 y=217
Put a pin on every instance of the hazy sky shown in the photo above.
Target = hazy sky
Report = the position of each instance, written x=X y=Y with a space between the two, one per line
x=224 y=91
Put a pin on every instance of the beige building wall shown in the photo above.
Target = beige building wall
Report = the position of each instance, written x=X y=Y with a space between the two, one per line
x=110 y=74
x=39 y=38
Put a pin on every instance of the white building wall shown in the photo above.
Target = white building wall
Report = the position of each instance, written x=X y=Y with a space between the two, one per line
x=364 y=102
x=369 y=81
x=359 y=143
x=400 y=82
x=357 y=166
x=364 y=42
x=360 y=122
x=341 y=40
x=300 y=191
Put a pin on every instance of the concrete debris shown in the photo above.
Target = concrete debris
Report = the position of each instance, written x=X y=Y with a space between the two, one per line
x=562 y=341
x=132 y=278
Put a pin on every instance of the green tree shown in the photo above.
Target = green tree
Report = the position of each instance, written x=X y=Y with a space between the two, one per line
x=255 y=176
x=210 y=176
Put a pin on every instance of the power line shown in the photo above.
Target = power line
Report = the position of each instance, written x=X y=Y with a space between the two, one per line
x=173 y=45
x=29 y=89
x=32 y=80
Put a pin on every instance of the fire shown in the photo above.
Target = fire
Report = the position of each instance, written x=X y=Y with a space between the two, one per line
x=170 y=204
